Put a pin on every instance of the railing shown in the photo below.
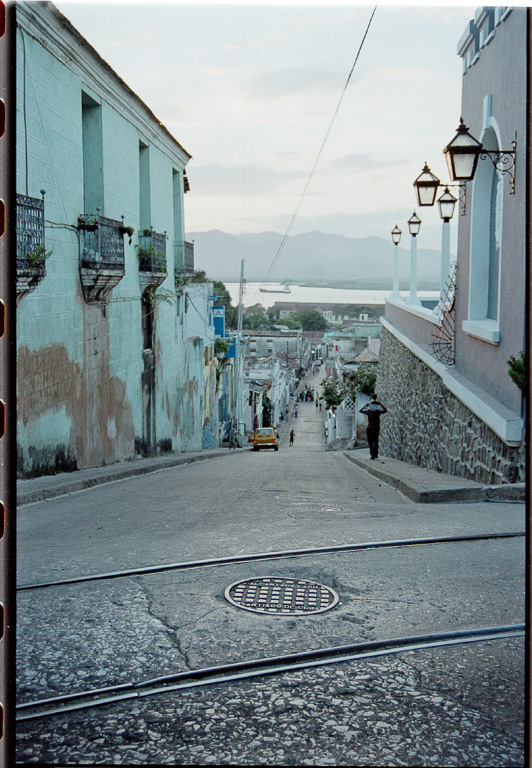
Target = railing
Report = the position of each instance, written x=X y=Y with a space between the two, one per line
x=152 y=251
x=444 y=339
x=103 y=242
x=184 y=257
x=30 y=233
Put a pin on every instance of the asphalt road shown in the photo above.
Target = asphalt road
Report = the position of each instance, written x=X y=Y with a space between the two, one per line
x=459 y=705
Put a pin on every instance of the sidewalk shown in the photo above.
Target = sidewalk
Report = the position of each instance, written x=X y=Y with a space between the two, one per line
x=426 y=486
x=416 y=483
x=41 y=488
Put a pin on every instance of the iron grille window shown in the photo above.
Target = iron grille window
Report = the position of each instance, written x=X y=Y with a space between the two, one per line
x=103 y=243
x=30 y=232
x=152 y=251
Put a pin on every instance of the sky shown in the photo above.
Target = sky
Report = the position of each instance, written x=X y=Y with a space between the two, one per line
x=252 y=91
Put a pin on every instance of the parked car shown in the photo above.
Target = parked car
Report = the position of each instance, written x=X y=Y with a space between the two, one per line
x=265 y=437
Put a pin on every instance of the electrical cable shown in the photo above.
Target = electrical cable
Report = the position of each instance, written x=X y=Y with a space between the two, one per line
x=312 y=172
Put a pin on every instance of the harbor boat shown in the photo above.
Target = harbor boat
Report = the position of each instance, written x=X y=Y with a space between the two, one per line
x=284 y=289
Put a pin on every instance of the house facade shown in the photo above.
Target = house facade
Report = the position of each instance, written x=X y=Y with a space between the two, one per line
x=107 y=368
x=444 y=374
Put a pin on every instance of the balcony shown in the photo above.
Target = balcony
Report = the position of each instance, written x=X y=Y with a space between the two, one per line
x=184 y=259
x=151 y=251
x=31 y=252
x=102 y=255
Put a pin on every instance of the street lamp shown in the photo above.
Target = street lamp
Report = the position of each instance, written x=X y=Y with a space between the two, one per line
x=414 y=224
x=396 y=238
x=463 y=152
x=426 y=186
x=446 y=203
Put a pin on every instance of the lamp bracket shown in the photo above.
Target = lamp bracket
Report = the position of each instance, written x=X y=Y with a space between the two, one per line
x=504 y=162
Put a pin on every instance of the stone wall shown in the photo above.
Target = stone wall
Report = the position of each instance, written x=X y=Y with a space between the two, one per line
x=428 y=426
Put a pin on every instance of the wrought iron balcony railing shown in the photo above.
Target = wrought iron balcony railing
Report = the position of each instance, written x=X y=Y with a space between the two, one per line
x=31 y=252
x=184 y=258
x=103 y=243
x=152 y=251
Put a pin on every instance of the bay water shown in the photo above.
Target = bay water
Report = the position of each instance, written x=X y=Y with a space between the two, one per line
x=312 y=295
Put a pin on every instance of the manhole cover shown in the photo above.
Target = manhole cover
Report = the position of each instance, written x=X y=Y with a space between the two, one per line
x=281 y=597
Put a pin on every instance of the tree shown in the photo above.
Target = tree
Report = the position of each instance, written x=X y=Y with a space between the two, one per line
x=333 y=392
x=219 y=290
x=292 y=323
x=362 y=380
x=310 y=320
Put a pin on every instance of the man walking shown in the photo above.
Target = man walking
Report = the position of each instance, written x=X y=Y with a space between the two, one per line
x=373 y=411
x=292 y=434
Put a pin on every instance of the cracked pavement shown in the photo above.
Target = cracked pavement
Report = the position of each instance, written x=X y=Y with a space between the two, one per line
x=458 y=705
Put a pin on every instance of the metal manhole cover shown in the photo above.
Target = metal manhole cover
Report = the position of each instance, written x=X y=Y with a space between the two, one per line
x=278 y=596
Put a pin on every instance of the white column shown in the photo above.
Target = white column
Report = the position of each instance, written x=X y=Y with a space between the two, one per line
x=395 y=291
x=445 y=251
x=413 y=299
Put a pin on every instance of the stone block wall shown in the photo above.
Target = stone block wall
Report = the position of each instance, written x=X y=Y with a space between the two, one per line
x=427 y=425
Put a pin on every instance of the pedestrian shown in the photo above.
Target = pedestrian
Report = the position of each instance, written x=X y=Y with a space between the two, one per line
x=373 y=410
x=320 y=405
x=292 y=435
x=295 y=411
x=316 y=402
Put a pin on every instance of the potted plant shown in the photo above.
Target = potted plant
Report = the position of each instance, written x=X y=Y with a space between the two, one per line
x=127 y=230
x=150 y=259
x=220 y=348
x=87 y=224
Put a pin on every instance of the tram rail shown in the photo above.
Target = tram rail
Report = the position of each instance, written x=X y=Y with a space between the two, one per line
x=278 y=555
x=245 y=670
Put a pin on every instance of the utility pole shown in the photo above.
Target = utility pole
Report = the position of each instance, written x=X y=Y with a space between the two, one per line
x=273 y=384
x=239 y=368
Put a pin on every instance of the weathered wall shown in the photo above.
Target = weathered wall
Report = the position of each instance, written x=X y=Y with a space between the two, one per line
x=428 y=426
x=80 y=366
x=500 y=75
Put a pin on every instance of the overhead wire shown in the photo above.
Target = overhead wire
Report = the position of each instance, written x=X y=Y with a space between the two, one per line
x=247 y=151
x=318 y=156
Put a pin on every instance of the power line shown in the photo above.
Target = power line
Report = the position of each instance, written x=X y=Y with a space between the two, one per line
x=294 y=216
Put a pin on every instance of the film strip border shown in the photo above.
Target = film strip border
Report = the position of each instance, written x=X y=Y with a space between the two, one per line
x=7 y=397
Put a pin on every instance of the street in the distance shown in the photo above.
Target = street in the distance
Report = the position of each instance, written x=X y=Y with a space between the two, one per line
x=457 y=705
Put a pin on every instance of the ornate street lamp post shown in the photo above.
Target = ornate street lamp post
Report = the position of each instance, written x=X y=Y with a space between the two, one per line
x=446 y=204
x=414 y=223
x=396 y=238
x=463 y=153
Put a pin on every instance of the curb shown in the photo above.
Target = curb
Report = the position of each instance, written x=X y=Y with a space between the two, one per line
x=420 y=495
x=79 y=484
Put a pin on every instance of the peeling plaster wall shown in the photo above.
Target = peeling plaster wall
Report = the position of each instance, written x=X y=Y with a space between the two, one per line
x=79 y=365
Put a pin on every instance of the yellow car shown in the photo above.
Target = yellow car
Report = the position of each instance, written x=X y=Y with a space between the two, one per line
x=265 y=437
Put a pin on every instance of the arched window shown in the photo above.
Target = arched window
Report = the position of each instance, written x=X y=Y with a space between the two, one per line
x=485 y=246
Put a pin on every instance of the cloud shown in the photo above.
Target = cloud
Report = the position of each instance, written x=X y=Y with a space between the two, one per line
x=358 y=162
x=236 y=179
x=287 y=81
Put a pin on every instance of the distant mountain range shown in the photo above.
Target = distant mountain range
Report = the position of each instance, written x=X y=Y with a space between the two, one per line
x=311 y=257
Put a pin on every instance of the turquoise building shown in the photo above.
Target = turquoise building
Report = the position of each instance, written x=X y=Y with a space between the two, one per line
x=106 y=367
